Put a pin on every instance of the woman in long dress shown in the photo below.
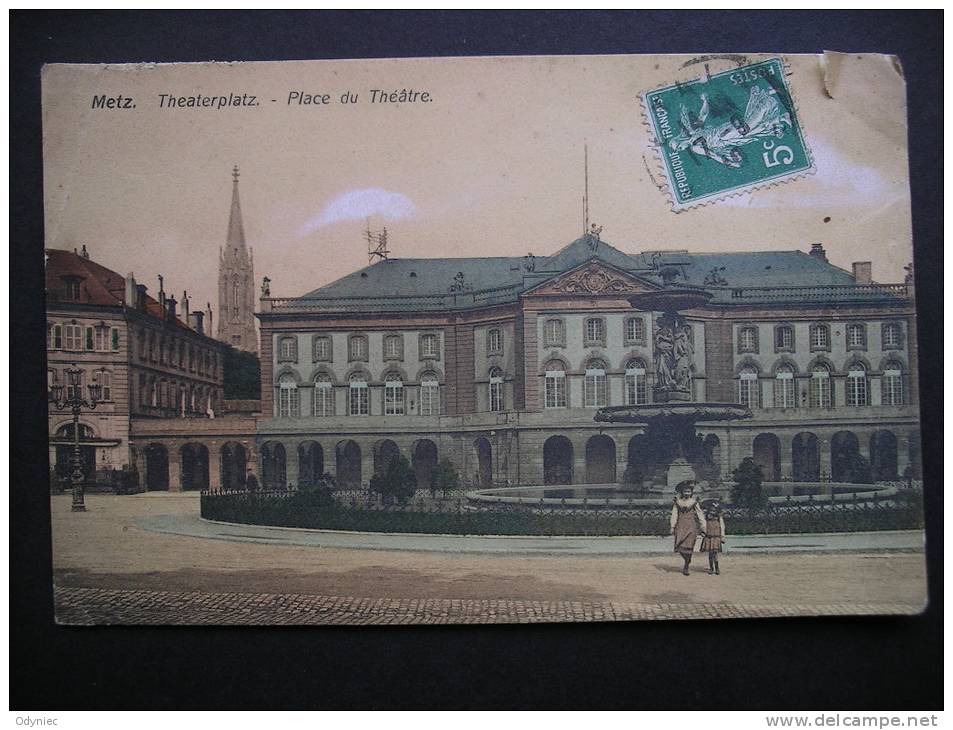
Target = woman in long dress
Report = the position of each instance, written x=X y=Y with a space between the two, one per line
x=687 y=521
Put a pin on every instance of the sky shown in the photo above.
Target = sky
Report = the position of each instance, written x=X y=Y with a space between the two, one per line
x=491 y=164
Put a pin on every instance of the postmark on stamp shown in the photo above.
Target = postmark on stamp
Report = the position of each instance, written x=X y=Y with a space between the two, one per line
x=727 y=133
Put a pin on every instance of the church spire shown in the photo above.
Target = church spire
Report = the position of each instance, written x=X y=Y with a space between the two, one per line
x=236 y=231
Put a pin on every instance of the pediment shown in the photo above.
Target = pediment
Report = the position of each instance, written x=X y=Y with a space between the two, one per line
x=593 y=278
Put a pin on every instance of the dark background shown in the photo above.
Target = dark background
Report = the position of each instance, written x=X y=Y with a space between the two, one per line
x=836 y=663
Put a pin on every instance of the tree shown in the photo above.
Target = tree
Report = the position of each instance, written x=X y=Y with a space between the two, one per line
x=444 y=478
x=746 y=491
x=397 y=480
x=241 y=373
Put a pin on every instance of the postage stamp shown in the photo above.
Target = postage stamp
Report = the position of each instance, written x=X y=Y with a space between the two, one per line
x=727 y=133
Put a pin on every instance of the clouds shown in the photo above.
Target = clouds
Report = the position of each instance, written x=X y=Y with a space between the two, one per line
x=838 y=182
x=361 y=204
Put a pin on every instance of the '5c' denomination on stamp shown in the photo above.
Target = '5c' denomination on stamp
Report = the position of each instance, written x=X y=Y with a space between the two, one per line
x=727 y=133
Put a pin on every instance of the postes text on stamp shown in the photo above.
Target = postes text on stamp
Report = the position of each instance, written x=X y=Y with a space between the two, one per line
x=727 y=133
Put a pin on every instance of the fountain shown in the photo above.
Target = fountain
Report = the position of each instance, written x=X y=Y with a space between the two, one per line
x=670 y=450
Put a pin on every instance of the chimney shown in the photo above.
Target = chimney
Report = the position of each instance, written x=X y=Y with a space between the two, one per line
x=195 y=322
x=131 y=296
x=862 y=272
x=170 y=307
x=85 y=253
x=141 y=297
x=208 y=317
x=185 y=306
x=817 y=251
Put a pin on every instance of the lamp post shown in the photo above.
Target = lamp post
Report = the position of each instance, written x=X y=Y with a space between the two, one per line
x=75 y=402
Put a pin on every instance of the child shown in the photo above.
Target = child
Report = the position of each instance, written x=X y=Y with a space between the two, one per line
x=686 y=522
x=714 y=534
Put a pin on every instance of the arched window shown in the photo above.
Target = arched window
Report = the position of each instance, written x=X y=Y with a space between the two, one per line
x=105 y=380
x=636 y=392
x=494 y=341
x=429 y=346
x=749 y=391
x=784 y=392
x=748 y=339
x=496 y=390
x=635 y=331
x=893 y=384
x=236 y=297
x=555 y=391
x=357 y=348
x=358 y=399
x=288 y=349
x=154 y=396
x=820 y=337
x=321 y=348
x=820 y=386
x=594 y=389
x=323 y=403
x=857 y=391
x=429 y=395
x=393 y=347
x=595 y=331
x=891 y=336
x=393 y=395
x=289 y=401
x=553 y=333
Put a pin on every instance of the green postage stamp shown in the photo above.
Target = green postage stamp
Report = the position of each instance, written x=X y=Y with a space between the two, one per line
x=727 y=133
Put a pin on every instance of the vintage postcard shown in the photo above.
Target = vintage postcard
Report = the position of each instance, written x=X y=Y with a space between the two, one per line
x=470 y=340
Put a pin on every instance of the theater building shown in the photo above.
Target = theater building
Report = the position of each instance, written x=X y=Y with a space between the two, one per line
x=500 y=363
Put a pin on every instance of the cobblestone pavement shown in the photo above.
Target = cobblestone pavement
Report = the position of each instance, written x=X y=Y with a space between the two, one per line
x=102 y=606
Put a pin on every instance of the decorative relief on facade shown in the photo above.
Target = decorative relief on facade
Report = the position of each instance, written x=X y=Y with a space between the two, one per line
x=592 y=279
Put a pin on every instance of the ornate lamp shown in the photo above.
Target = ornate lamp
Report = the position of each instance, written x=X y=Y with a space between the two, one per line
x=74 y=401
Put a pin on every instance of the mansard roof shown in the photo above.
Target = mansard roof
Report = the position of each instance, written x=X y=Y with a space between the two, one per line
x=736 y=277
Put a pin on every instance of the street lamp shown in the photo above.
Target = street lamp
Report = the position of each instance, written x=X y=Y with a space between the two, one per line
x=75 y=402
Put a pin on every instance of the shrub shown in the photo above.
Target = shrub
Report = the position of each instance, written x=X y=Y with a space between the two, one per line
x=746 y=491
x=397 y=481
x=444 y=478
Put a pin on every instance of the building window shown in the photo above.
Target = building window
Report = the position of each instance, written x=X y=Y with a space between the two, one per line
x=180 y=362
x=496 y=390
x=856 y=337
x=289 y=401
x=101 y=334
x=748 y=339
x=429 y=395
x=820 y=337
x=857 y=391
x=429 y=347
x=749 y=391
x=821 y=387
x=71 y=288
x=494 y=342
x=51 y=378
x=784 y=338
x=115 y=339
x=393 y=395
x=357 y=348
x=784 y=393
x=393 y=347
x=595 y=332
x=635 y=331
x=358 y=400
x=555 y=391
x=594 y=388
x=57 y=337
x=105 y=380
x=322 y=405
x=636 y=392
x=321 y=348
x=74 y=337
x=288 y=349
x=893 y=385
x=892 y=336
x=554 y=333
